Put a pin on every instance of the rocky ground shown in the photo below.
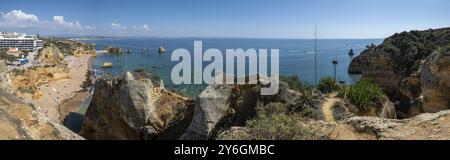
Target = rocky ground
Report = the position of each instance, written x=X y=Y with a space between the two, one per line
x=22 y=121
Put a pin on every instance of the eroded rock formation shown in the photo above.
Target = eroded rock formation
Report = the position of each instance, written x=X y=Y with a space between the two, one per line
x=396 y=66
x=134 y=107
x=435 y=82
x=219 y=107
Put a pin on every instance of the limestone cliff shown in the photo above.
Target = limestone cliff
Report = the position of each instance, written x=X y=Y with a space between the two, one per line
x=395 y=66
x=134 y=107
x=435 y=81
x=19 y=121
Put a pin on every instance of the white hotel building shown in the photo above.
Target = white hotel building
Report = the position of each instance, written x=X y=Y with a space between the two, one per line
x=20 y=41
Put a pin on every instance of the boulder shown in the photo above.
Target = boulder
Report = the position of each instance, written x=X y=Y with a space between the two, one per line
x=135 y=108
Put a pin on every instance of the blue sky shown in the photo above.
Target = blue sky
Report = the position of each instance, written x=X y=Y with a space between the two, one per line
x=224 y=18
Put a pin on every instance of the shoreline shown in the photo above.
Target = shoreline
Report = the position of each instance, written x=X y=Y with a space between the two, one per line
x=73 y=104
x=59 y=92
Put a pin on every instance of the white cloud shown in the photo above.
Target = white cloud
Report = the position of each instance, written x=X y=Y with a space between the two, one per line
x=118 y=26
x=16 y=19
x=59 y=22
x=145 y=27
x=19 y=19
x=90 y=27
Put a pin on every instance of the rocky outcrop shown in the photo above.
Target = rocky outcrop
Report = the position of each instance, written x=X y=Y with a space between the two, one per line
x=19 y=121
x=426 y=126
x=220 y=107
x=435 y=82
x=382 y=109
x=395 y=67
x=134 y=107
x=212 y=105
x=5 y=79
x=50 y=56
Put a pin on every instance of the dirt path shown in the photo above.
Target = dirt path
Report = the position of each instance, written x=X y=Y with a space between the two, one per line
x=327 y=107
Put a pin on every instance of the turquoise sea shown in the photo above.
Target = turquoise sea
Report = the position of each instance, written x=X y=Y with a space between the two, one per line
x=296 y=56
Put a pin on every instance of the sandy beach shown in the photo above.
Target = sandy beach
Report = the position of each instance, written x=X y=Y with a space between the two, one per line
x=58 y=92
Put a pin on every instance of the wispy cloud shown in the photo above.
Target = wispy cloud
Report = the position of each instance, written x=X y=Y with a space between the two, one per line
x=117 y=26
x=145 y=27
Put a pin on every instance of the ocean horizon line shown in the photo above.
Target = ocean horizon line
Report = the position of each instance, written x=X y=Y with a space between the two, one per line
x=195 y=37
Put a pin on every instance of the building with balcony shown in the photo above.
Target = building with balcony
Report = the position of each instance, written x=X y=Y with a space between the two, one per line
x=20 y=41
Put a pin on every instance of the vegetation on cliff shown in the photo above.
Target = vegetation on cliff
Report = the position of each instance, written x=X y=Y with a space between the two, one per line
x=6 y=57
x=362 y=94
x=398 y=65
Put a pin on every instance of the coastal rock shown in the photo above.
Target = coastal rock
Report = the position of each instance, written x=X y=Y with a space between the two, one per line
x=219 y=107
x=395 y=67
x=435 y=82
x=212 y=105
x=19 y=121
x=133 y=107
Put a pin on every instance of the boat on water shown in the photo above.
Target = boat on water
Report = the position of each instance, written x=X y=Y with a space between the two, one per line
x=335 y=61
x=162 y=50
x=128 y=51
x=107 y=65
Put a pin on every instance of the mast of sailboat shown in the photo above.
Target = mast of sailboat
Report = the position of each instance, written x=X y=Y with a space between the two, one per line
x=315 y=53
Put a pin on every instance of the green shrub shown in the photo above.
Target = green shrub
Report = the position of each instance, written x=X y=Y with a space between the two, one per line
x=362 y=94
x=276 y=127
x=446 y=48
x=270 y=109
x=328 y=84
x=308 y=97
x=294 y=83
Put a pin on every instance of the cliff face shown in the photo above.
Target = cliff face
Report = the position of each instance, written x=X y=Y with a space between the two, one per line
x=435 y=81
x=133 y=107
x=5 y=79
x=19 y=121
x=395 y=67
